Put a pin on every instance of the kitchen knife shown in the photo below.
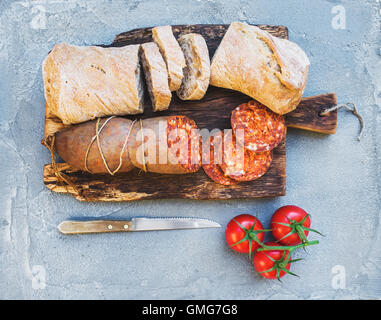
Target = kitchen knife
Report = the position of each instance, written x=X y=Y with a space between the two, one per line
x=135 y=224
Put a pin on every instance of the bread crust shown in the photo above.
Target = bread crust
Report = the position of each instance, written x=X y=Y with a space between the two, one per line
x=156 y=76
x=172 y=54
x=197 y=72
x=272 y=71
x=82 y=83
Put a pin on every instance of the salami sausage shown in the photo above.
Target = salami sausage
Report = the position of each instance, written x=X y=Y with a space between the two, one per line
x=263 y=129
x=169 y=145
x=79 y=147
x=212 y=168
x=242 y=164
x=165 y=145
x=183 y=131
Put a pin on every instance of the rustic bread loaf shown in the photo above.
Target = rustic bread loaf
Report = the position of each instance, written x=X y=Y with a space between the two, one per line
x=82 y=83
x=197 y=71
x=156 y=76
x=172 y=54
x=271 y=70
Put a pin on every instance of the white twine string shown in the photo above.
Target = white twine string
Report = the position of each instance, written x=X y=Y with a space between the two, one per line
x=96 y=138
x=350 y=107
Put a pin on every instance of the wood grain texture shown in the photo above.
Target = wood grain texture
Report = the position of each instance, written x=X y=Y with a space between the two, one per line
x=213 y=111
x=137 y=185
x=307 y=115
x=212 y=33
x=95 y=226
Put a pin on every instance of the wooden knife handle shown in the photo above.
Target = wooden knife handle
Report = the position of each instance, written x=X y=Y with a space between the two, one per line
x=96 y=226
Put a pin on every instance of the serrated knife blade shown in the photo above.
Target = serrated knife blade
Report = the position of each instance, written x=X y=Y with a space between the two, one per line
x=135 y=224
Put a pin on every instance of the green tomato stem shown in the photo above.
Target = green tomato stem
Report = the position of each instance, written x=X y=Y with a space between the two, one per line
x=300 y=233
x=289 y=248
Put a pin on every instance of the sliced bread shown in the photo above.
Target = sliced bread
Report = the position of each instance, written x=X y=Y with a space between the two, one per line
x=197 y=71
x=156 y=76
x=172 y=54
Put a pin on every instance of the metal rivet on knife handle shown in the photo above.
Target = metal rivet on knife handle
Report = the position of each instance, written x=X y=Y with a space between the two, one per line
x=96 y=226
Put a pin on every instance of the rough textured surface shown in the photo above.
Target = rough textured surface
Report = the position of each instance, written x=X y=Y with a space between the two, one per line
x=135 y=185
x=335 y=178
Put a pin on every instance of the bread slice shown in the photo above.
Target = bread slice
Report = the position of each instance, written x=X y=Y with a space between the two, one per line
x=271 y=70
x=156 y=75
x=172 y=54
x=197 y=72
x=83 y=83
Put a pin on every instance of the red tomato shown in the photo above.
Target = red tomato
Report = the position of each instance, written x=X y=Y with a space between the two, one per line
x=272 y=264
x=289 y=223
x=242 y=233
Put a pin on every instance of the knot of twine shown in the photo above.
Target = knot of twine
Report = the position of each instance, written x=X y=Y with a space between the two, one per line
x=49 y=142
x=96 y=138
x=350 y=107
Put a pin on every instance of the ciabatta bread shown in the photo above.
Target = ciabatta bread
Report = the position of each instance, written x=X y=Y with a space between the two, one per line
x=197 y=72
x=273 y=71
x=156 y=76
x=83 y=83
x=172 y=54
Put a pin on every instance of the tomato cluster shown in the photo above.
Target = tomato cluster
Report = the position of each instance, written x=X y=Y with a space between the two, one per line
x=290 y=226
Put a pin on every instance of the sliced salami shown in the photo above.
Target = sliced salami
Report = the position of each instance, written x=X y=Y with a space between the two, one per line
x=262 y=129
x=242 y=164
x=184 y=142
x=212 y=168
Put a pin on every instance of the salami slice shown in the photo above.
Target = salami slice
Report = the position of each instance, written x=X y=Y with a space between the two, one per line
x=212 y=169
x=184 y=142
x=262 y=129
x=244 y=165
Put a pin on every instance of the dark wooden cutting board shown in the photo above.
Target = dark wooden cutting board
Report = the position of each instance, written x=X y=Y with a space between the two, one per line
x=213 y=111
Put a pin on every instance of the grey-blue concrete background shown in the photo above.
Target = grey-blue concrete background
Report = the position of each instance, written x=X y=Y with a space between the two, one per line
x=335 y=178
